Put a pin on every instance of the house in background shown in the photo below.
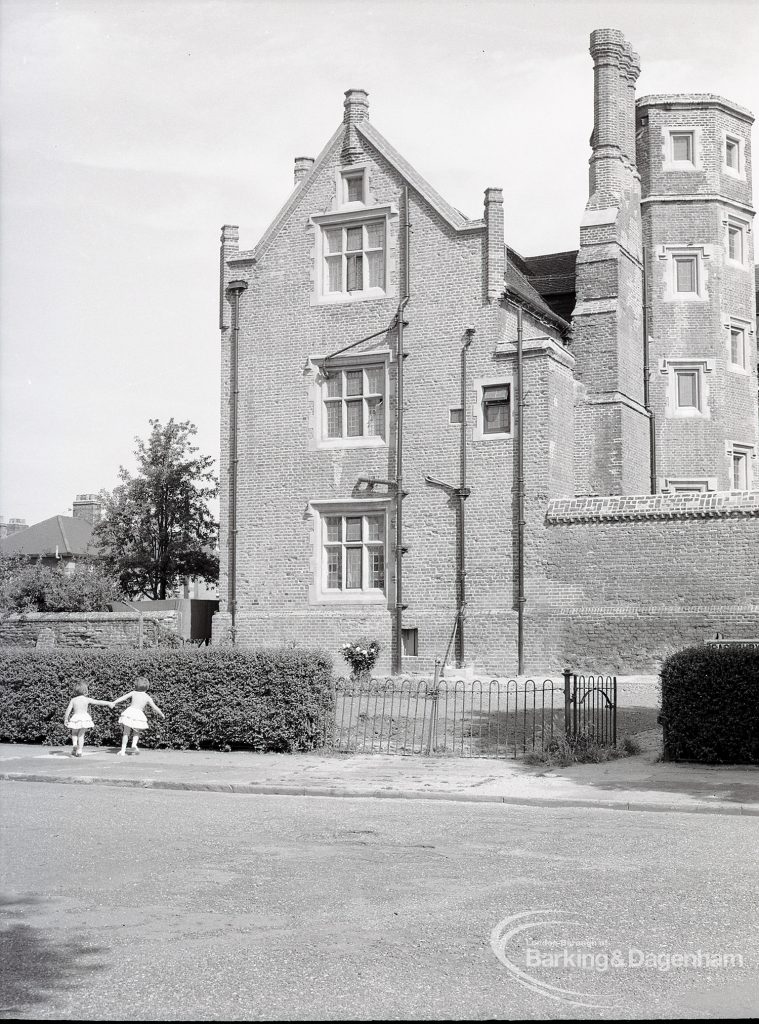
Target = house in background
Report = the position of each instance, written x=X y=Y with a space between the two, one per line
x=60 y=539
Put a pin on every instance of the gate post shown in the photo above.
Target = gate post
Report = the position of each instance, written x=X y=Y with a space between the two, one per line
x=567 y=700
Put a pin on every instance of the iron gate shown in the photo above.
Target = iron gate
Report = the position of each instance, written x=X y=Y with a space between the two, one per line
x=590 y=707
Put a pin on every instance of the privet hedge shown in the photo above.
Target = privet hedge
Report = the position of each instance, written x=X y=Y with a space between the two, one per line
x=213 y=697
x=710 y=704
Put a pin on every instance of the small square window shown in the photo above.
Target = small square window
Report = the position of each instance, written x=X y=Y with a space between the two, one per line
x=738 y=346
x=733 y=153
x=687 y=486
x=682 y=147
x=686 y=274
x=353 y=187
x=735 y=241
x=688 y=389
x=496 y=409
x=739 y=481
x=410 y=641
x=456 y=415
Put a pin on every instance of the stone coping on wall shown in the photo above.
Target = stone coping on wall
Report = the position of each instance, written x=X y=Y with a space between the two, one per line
x=88 y=616
x=619 y=507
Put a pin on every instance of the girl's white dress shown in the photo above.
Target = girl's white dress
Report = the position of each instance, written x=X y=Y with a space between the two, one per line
x=81 y=721
x=133 y=718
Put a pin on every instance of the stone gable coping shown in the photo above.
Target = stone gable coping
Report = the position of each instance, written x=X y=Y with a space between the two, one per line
x=617 y=508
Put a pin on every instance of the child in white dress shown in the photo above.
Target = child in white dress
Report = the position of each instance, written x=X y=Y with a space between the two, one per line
x=78 y=718
x=133 y=718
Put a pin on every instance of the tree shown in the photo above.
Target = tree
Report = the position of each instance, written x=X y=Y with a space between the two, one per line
x=27 y=585
x=156 y=528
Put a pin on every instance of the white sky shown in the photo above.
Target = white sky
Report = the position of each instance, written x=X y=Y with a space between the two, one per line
x=133 y=130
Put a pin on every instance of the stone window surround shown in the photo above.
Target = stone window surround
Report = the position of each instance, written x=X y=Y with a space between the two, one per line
x=318 y=594
x=740 y=171
x=352 y=216
x=735 y=448
x=480 y=383
x=744 y=226
x=746 y=327
x=668 y=161
x=360 y=170
x=702 y=366
x=672 y=484
x=348 y=361
x=668 y=254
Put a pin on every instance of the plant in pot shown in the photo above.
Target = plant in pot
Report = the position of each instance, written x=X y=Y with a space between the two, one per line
x=362 y=656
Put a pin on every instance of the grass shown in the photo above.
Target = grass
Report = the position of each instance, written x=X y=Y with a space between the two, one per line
x=563 y=751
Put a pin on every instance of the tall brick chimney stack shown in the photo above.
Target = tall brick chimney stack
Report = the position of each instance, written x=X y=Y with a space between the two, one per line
x=230 y=246
x=615 y=68
x=303 y=165
x=607 y=323
x=496 y=249
x=356 y=110
x=630 y=72
x=89 y=507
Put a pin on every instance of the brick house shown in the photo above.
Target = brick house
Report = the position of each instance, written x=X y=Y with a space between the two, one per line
x=554 y=488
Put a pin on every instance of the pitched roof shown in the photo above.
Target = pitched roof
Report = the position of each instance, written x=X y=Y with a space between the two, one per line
x=454 y=217
x=553 y=273
x=60 y=535
x=524 y=288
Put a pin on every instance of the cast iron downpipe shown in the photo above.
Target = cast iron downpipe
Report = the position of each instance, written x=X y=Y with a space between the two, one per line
x=520 y=499
x=463 y=494
x=399 y=495
x=647 y=381
x=234 y=290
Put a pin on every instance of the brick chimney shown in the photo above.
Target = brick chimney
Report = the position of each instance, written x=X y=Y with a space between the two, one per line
x=356 y=110
x=496 y=250
x=10 y=526
x=607 y=322
x=303 y=165
x=89 y=507
x=230 y=246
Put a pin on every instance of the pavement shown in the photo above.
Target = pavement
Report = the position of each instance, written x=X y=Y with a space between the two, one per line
x=638 y=783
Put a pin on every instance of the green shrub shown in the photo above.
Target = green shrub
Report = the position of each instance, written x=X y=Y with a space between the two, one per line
x=27 y=585
x=710 y=705
x=213 y=697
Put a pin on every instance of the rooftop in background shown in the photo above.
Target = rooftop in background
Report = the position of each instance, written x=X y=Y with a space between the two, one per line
x=57 y=537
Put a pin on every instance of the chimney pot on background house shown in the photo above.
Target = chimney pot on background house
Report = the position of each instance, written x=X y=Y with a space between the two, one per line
x=89 y=507
x=303 y=165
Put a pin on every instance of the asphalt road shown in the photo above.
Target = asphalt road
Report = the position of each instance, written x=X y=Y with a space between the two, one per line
x=134 y=904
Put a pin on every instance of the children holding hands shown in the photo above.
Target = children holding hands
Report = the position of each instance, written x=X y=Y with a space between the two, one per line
x=78 y=718
x=133 y=718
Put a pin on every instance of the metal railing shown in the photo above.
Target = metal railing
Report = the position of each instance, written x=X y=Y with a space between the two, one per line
x=477 y=718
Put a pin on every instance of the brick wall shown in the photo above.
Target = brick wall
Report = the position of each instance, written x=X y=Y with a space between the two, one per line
x=284 y=471
x=84 y=629
x=629 y=580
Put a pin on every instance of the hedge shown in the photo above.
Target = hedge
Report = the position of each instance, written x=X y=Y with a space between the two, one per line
x=710 y=705
x=213 y=697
